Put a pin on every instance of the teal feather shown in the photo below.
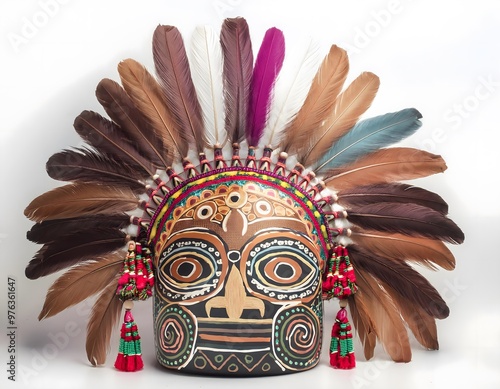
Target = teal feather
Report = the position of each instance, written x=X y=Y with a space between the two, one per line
x=370 y=135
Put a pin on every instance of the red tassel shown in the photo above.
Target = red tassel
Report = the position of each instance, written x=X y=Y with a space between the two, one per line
x=341 y=346
x=129 y=354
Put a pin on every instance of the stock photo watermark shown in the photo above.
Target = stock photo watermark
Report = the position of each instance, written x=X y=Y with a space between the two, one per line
x=31 y=25
x=223 y=7
x=369 y=373
x=458 y=112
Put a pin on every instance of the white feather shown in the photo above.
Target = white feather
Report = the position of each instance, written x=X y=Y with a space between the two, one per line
x=291 y=89
x=206 y=71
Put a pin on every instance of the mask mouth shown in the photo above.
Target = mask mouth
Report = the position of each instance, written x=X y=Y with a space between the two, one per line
x=229 y=334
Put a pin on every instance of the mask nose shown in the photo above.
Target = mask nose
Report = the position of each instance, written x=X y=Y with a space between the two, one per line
x=234 y=299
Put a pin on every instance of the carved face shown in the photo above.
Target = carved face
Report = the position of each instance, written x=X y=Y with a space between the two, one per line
x=239 y=261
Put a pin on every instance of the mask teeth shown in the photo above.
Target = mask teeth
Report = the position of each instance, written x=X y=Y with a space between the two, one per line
x=189 y=168
x=174 y=177
x=296 y=173
x=204 y=164
x=280 y=168
x=235 y=160
x=219 y=158
x=265 y=161
x=251 y=161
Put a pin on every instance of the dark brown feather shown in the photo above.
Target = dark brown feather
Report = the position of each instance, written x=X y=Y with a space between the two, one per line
x=409 y=219
x=103 y=319
x=403 y=279
x=72 y=248
x=172 y=68
x=392 y=192
x=121 y=109
x=363 y=324
x=237 y=75
x=81 y=282
x=106 y=137
x=51 y=230
x=84 y=165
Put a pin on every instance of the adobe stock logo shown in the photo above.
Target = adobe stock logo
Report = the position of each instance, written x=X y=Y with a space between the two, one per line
x=31 y=25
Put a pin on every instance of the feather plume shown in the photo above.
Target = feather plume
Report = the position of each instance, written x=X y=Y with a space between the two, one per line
x=349 y=106
x=72 y=248
x=398 y=247
x=121 y=109
x=393 y=193
x=403 y=279
x=75 y=200
x=408 y=219
x=172 y=68
x=291 y=90
x=206 y=66
x=267 y=67
x=81 y=282
x=386 y=165
x=387 y=322
x=84 y=165
x=103 y=319
x=51 y=230
x=370 y=135
x=319 y=102
x=363 y=324
x=237 y=75
x=106 y=137
x=147 y=95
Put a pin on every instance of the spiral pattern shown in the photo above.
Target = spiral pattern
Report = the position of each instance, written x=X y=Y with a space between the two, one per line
x=297 y=337
x=175 y=336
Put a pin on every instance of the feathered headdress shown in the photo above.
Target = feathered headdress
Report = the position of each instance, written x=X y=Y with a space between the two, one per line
x=217 y=118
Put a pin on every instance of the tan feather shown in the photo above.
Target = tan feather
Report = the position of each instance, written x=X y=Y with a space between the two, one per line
x=388 y=325
x=81 y=282
x=319 y=102
x=147 y=95
x=74 y=200
x=105 y=314
x=399 y=247
x=386 y=165
x=349 y=106
x=421 y=324
x=363 y=324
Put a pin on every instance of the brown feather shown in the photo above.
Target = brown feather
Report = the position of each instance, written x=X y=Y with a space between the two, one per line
x=363 y=324
x=81 y=282
x=388 y=324
x=424 y=251
x=147 y=95
x=392 y=192
x=319 y=101
x=172 y=68
x=408 y=219
x=73 y=248
x=349 y=106
x=386 y=165
x=237 y=75
x=103 y=319
x=121 y=109
x=107 y=138
x=75 y=200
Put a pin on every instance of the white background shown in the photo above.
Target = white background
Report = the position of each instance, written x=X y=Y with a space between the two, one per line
x=441 y=57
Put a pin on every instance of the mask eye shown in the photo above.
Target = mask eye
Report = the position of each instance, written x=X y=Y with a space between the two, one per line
x=191 y=266
x=281 y=266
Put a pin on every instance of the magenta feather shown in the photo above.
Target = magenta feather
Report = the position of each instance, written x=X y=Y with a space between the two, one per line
x=267 y=67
